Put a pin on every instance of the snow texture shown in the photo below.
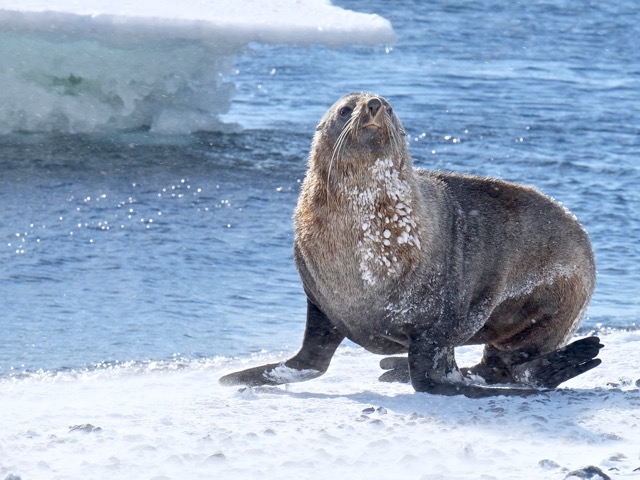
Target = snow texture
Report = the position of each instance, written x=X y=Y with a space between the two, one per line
x=173 y=421
x=98 y=65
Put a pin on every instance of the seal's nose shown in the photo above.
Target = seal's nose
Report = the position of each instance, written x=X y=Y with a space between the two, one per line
x=374 y=105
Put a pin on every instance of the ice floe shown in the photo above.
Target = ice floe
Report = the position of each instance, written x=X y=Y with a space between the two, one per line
x=96 y=65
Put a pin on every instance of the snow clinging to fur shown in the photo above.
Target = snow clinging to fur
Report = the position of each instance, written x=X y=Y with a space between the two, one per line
x=383 y=231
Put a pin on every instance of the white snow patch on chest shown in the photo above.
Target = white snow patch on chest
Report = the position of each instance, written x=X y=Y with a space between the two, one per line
x=383 y=231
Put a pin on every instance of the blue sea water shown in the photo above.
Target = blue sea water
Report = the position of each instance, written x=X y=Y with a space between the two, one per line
x=136 y=247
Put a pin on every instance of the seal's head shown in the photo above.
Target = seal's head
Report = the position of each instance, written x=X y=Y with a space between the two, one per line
x=357 y=130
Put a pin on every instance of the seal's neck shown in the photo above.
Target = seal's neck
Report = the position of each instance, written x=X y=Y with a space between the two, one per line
x=369 y=229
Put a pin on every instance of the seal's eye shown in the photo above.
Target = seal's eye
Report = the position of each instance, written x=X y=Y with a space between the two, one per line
x=345 y=111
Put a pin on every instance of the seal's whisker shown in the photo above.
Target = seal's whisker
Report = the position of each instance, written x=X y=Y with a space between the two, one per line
x=338 y=147
x=336 y=153
x=395 y=141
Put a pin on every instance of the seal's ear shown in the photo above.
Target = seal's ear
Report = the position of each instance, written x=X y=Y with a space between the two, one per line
x=320 y=125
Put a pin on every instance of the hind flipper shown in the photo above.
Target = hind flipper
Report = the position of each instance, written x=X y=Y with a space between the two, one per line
x=556 y=367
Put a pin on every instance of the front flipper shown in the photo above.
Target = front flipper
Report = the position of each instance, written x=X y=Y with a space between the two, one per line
x=270 y=374
x=320 y=341
x=432 y=366
x=397 y=370
x=429 y=367
x=433 y=369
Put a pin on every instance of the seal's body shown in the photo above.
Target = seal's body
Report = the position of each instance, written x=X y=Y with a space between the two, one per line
x=402 y=260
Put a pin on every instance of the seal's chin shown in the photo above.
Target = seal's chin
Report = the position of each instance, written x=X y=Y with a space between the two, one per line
x=372 y=135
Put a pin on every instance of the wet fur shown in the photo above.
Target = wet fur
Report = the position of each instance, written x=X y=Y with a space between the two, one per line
x=403 y=260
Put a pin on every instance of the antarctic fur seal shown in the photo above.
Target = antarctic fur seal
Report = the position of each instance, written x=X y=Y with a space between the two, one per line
x=403 y=260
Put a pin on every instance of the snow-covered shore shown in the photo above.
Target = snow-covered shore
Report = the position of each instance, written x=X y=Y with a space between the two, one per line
x=173 y=421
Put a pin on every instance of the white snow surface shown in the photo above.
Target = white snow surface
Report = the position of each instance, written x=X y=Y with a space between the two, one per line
x=99 y=65
x=174 y=421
